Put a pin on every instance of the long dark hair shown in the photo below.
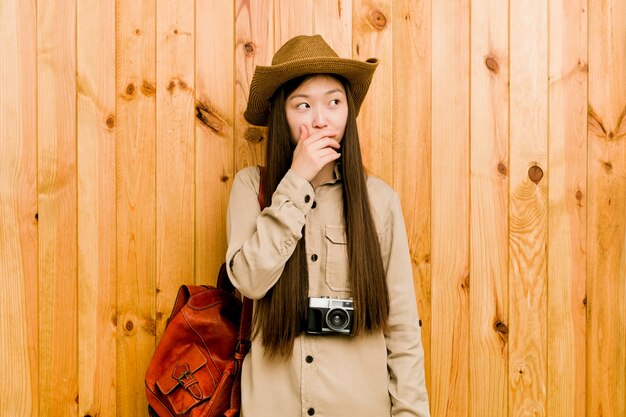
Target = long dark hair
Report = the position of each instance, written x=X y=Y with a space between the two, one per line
x=280 y=315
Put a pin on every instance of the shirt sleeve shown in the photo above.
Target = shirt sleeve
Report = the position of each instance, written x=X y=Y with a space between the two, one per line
x=260 y=243
x=405 y=354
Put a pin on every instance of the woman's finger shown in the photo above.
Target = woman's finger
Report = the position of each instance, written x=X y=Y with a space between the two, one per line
x=304 y=133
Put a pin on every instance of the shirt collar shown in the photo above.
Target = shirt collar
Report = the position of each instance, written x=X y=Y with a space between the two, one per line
x=337 y=176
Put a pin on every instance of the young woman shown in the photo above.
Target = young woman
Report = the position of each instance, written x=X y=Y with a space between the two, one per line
x=335 y=329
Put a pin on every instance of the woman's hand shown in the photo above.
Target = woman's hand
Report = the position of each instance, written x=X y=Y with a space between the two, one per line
x=313 y=152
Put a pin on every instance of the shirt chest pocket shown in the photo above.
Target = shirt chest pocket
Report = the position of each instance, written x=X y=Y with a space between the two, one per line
x=337 y=258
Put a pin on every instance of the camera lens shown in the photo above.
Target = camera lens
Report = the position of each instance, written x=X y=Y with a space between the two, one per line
x=337 y=319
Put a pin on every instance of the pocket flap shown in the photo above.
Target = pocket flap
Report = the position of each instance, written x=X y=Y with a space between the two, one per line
x=336 y=234
x=187 y=362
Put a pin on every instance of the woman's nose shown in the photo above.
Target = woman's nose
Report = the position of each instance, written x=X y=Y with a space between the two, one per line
x=319 y=120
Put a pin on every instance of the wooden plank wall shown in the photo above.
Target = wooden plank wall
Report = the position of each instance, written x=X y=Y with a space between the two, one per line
x=502 y=125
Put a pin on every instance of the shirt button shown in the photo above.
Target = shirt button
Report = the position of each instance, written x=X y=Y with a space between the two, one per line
x=314 y=204
x=309 y=359
x=314 y=257
x=307 y=198
x=310 y=411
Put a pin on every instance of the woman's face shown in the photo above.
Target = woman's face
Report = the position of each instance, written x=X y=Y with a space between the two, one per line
x=318 y=103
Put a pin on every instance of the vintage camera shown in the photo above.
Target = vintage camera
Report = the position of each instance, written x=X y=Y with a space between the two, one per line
x=328 y=315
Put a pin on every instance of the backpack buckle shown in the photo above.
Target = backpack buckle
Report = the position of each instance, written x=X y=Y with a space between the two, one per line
x=243 y=347
x=187 y=380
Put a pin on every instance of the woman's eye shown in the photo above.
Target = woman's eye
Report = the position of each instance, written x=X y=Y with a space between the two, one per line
x=302 y=106
x=334 y=102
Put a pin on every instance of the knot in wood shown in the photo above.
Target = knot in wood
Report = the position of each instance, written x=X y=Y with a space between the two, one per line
x=129 y=325
x=110 y=122
x=501 y=327
x=208 y=117
x=147 y=88
x=579 y=195
x=492 y=63
x=379 y=20
x=502 y=168
x=249 y=48
x=535 y=174
x=466 y=283
x=253 y=135
x=130 y=89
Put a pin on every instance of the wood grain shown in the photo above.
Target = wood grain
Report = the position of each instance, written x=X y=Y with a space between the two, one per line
x=528 y=208
x=568 y=199
x=333 y=20
x=450 y=208
x=292 y=18
x=96 y=121
x=135 y=137
x=19 y=388
x=412 y=147
x=175 y=154
x=489 y=314
x=214 y=127
x=606 y=224
x=56 y=147
x=254 y=45
x=372 y=38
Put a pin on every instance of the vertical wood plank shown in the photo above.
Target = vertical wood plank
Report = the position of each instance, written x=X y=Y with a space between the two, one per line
x=214 y=132
x=567 y=210
x=19 y=347
x=254 y=34
x=411 y=124
x=136 y=198
x=450 y=207
x=56 y=111
x=372 y=37
x=175 y=175
x=96 y=207
x=489 y=209
x=528 y=208
x=333 y=20
x=292 y=18
x=606 y=224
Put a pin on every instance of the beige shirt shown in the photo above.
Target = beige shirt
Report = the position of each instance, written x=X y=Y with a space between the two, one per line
x=327 y=376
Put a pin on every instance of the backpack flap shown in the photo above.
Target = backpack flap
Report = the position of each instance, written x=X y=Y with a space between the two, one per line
x=184 y=293
x=187 y=380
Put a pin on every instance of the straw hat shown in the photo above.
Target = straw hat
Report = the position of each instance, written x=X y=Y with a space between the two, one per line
x=299 y=56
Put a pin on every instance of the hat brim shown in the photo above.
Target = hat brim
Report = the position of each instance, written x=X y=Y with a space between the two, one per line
x=267 y=80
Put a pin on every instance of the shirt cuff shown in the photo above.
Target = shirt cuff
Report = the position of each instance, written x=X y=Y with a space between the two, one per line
x=297 y=190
